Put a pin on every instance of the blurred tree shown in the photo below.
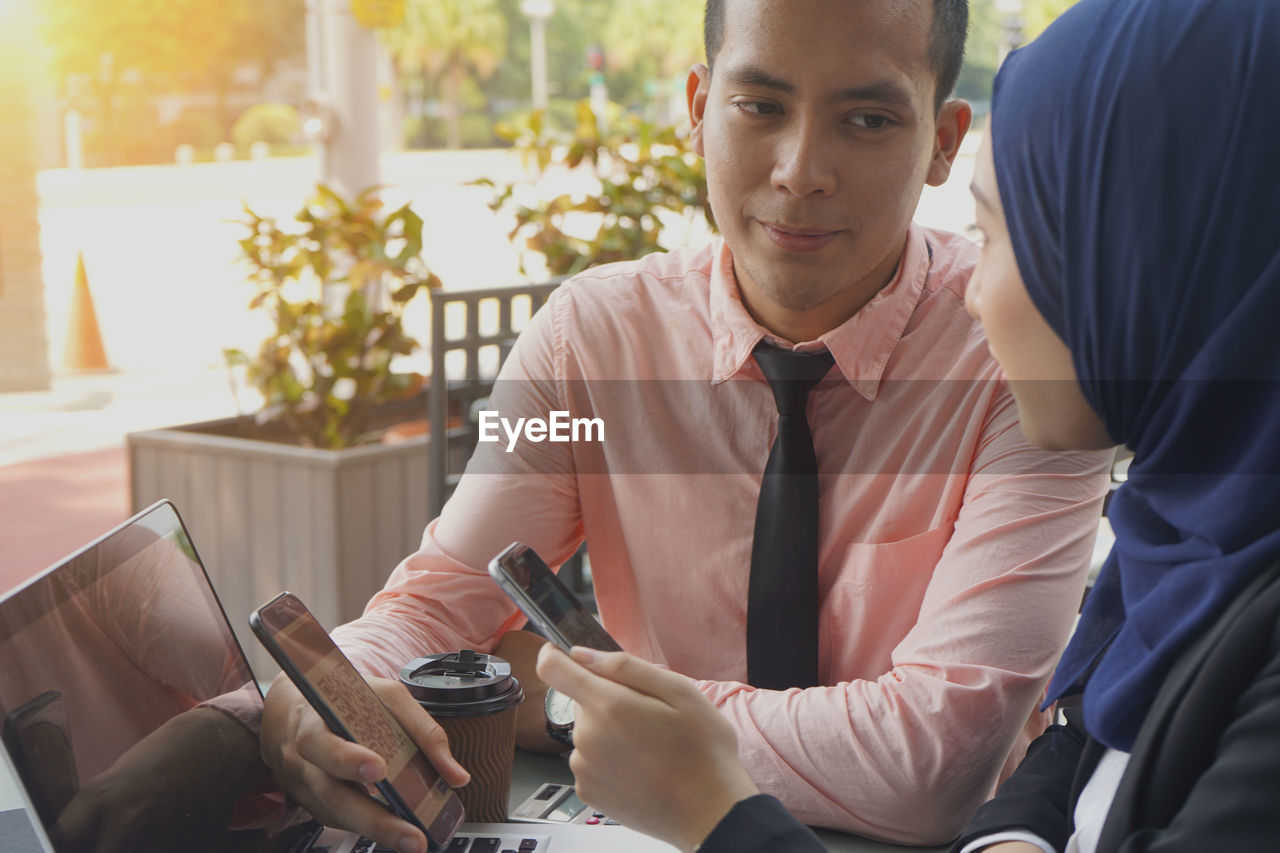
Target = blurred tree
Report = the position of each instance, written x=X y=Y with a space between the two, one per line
x=656 y=40
x=982 y=52
x=646 y=43
x=96 y=46
x=448 y=39
x=647 y=178
x=233 y=34
x=275 y=124
x=576 y=26
x=170 y=44
x=1041 y=13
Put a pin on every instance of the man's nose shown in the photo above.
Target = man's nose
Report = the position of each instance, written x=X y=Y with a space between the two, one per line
x=805 y=163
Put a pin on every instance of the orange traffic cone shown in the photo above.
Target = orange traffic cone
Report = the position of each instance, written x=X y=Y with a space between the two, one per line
x=84 y=351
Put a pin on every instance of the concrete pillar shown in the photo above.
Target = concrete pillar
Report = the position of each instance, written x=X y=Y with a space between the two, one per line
x=24 y=350
x=538 y=12
x=346 y=71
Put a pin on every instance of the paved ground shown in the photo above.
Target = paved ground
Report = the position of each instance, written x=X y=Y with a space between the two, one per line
x=50 y=507
x=63 y=475
x=160 y=248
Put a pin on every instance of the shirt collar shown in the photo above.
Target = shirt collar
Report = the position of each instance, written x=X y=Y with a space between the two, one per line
x=861 y=346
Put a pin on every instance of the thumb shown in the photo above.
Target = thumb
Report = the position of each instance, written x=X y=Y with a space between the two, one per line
x=641 y=676
x=424 y=731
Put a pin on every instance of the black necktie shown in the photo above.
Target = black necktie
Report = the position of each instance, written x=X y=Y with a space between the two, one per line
x=782 y=601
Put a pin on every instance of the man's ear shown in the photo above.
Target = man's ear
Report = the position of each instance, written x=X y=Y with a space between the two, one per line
x=952 y=124
x=695 y=89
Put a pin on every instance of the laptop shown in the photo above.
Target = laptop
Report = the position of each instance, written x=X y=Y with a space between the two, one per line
x=120 y=684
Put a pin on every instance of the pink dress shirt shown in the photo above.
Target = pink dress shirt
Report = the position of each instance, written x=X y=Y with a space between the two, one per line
x=952 y=553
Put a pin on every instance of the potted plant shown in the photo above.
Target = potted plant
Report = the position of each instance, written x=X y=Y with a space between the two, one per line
x=304 y=494
x=648 y=180
x=329 y=363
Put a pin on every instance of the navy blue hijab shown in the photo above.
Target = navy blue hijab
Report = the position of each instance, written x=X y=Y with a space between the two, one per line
x=1137 y=153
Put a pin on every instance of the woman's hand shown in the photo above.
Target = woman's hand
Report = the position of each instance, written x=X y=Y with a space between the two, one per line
x=649 y=749
x=172 y=790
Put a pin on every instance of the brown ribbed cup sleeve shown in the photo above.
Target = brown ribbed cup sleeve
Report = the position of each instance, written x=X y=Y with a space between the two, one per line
x=486 y=747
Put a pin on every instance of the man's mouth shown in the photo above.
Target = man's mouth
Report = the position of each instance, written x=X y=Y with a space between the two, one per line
x=793 y=238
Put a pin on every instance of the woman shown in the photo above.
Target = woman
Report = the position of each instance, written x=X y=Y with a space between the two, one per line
x=1132 y=227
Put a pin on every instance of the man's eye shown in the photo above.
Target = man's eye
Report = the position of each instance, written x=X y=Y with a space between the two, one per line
x=760 y=108
x=872 y=121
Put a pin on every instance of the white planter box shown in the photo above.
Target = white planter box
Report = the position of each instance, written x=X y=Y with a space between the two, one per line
x=329 y=525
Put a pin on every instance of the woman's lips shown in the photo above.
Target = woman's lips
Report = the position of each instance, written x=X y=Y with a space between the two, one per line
x=798 y=239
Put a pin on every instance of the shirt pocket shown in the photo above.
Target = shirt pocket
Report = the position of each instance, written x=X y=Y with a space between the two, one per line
x=873 y=603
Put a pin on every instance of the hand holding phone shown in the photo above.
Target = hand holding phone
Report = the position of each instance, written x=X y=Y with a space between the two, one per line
x=551 y=607
x=412 y=789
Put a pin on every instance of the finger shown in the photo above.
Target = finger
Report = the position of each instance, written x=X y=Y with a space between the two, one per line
x=639 y=675
x=293 y=734
x=312 y=763
x=424 y=731
x=568 y=677
x=591 y=691
x=335 y=755
x=339 y=804
x=280 y=710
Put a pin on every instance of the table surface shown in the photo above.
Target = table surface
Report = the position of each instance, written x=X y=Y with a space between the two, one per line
x=529 y=772
x=532 y=770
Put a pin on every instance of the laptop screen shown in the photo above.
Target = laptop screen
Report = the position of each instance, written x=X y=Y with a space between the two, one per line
x=121 y=690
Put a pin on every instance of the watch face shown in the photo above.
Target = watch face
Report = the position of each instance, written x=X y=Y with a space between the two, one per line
x=559 y=708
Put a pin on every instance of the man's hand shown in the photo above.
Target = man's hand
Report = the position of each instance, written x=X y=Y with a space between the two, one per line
x=325 y=773
x=520 y=649
x=649 y=749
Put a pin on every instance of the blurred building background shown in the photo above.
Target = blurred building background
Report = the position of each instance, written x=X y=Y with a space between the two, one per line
x=142 y=77
x=133 y=132
x=23 y=365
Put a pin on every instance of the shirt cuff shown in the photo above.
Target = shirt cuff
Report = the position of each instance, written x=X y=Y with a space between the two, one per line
x=1013 y=835
x=243 y=705
x=758 y=824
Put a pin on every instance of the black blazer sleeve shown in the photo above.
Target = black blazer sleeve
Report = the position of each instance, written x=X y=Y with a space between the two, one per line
x=1205 y=770
x=1038 y=796
x=760 y=824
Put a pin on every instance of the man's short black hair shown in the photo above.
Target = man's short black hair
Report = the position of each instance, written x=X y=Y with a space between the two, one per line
x=946 y=40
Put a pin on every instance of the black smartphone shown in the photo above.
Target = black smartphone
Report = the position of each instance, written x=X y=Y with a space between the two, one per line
x=550 y=606
x=38 y=737
x=351 y=709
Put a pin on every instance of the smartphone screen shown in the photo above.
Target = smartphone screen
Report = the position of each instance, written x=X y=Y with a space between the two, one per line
x=548 y=603
x=351 y=709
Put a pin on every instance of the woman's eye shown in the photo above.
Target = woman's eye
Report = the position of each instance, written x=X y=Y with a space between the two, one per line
x=871 y=121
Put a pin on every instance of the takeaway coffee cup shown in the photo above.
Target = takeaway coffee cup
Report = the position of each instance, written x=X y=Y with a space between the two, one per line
x=473 y=697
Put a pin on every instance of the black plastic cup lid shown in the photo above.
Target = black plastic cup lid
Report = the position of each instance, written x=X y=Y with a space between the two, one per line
x=462 y=684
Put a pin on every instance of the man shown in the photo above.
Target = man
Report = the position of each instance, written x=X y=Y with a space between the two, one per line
x=950 y=554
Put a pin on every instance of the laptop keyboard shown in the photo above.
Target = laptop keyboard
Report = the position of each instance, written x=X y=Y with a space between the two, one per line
x=467 y=843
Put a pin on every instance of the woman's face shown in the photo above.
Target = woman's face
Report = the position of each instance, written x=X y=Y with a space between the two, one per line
x=1053 y=411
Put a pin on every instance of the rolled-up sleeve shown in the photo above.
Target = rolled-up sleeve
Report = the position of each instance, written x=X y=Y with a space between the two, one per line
x=441 y=598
